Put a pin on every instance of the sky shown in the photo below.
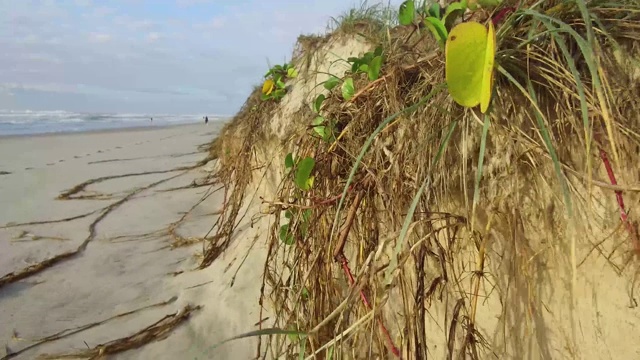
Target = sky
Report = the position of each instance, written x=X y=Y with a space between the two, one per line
x=147 y=56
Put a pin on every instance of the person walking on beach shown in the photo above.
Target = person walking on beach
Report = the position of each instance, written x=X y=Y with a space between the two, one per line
x=206 y=120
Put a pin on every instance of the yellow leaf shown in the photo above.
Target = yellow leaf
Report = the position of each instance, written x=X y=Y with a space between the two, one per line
x=465 y=60
x=268 y=86
x=470 y=52
x=487 y=76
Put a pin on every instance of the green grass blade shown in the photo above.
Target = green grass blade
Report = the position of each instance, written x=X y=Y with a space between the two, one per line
x=531 y=96
x=269 y=331
x=393 y=264
x=476 y=187
x=367 y=144
x=586 y=50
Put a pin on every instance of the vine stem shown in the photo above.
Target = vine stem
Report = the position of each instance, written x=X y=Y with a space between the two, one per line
x=624 y=217
x=339 y=257
x=347 y=271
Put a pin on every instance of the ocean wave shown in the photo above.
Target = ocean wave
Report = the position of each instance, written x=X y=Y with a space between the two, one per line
x=35 y=122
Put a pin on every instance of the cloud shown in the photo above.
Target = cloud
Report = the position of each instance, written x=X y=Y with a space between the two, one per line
x=84 y=3
x=170 y=56
x=153 y=36
x=99 y=38
x=192 y=2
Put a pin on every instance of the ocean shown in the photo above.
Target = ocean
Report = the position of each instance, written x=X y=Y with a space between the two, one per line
x=19 y=122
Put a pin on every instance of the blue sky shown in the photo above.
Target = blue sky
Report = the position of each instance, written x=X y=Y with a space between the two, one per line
x=147 y=56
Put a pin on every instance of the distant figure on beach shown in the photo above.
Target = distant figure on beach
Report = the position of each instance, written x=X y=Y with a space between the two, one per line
x=151 y=119
x=206 y=120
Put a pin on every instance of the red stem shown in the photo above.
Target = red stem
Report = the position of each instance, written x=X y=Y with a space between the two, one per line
x=502 y=14
x=347 y=271
x=623 y=213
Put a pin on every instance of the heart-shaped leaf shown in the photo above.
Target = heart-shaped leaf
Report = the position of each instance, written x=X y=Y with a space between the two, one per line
x=288 y=161
x=435 y=10
x=348 y=90
x=318 y=126
x=285 y=236
x=292 y=72
x=331 y=83
x=453 y=12
x=318 y=102
x=303 y=177
x=407 y=12
x=374 y=68
x=487 y=75
x=470 y=52
x=267 y=86
x=437 y=29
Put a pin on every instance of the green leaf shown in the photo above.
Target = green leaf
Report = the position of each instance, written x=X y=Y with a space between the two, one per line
x=288 y=161
x=288 y=214
x=269 y=331
x=331 y=83
x=437 y=29
x=279 y=94
x=435 y=11
x=318 y=103
x=303 y=174
x=306 y=215
x=305 y=293
x=488 y=4
x=280 y=84
x=348 y=90
x=378 y=51
x=292 y=72
x=453 y=12
x=374 y=68
x=285 y=236
x=363 y=68
x=318 y=126
x=469 y=53
x=407 y=12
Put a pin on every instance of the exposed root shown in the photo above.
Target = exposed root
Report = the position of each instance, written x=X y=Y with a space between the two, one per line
x=11 y=225
x=180 y=241
x=194 y=184
x=27 y=236
x=68 y=194
x=68 y=332
x=36 y=268
x=157 y=331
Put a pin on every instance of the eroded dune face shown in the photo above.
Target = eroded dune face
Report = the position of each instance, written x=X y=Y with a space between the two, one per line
x=540 y=267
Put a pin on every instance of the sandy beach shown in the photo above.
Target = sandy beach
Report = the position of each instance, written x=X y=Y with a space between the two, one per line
x=129 y=208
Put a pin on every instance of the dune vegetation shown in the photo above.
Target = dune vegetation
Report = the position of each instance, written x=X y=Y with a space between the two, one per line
x=452 y=181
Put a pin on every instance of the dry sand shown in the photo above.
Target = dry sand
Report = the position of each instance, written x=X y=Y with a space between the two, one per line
x=128 y=262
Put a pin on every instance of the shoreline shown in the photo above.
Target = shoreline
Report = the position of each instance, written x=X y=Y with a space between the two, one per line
x=109 y=131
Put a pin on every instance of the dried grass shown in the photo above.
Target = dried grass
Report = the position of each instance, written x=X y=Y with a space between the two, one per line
x=477 y=234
